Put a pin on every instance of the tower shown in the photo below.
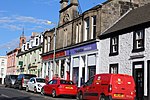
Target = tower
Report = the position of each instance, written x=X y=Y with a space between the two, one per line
x=22 y=39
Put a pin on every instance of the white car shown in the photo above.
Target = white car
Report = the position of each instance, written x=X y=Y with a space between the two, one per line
x=35 y=84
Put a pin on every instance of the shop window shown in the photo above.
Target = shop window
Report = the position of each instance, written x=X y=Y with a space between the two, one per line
x=62 y=69
x=113 y=68
x=92 y=71
x=75 y=75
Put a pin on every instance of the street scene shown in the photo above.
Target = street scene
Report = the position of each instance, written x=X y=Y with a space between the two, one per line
x=75 y=50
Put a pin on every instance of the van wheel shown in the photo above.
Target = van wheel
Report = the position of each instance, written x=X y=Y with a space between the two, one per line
x=53 y=93
x=80 y=96
x=35 y=90
x=103 y=97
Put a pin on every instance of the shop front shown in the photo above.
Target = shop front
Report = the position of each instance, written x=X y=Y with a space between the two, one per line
x=83 y=62
x=62 y=65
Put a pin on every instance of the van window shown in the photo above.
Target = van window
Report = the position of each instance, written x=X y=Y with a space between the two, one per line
x=90 y=81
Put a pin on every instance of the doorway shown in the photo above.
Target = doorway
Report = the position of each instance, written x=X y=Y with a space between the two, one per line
x=138 y=73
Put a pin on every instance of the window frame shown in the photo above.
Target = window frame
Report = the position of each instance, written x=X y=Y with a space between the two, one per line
x=115 y=45
x=113 y=66
x=87 y=29
x=141 y=39
x=93 y=35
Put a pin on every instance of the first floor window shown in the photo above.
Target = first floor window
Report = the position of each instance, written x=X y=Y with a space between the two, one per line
x=113 y=68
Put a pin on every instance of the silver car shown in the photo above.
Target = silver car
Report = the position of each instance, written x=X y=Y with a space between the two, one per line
x=10 y=80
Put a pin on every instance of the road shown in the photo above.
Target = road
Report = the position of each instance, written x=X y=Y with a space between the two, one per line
x=15 y=94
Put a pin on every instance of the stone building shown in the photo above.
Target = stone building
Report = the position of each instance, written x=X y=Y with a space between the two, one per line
x=77 y=46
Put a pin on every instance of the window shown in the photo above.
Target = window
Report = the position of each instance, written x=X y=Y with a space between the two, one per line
x=138 y=41
x=93 y=35
x=78 y=33
x=45 y=44
x=90 y=81
x=65 y=38
x=49 y=43
x=36 y=41
x=3 y=62
x=87 y=29
x=114 y=46
x=113 y=68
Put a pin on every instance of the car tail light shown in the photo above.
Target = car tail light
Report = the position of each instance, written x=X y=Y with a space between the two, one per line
x=109 y=88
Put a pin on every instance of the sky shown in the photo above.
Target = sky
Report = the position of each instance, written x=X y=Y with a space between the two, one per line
x=30 y=16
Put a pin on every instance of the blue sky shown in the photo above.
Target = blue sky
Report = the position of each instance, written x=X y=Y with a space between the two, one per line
x=30 y=15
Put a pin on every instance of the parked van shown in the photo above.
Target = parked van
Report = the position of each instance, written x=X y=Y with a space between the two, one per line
x=10 y=80
x=108 y=87
x=22 y=80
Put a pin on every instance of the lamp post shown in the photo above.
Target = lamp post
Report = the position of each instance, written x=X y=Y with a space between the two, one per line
x=54 y=47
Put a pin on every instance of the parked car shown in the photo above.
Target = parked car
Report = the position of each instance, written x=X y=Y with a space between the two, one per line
x=108 y=87
x=35 y=84
x=57 y=87
x=22 y=80
x=10 y=80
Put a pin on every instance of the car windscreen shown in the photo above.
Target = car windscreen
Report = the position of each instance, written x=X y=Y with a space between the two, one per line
x=29 y=76
x=40 y=80
x=14 y=76
x=66 y=82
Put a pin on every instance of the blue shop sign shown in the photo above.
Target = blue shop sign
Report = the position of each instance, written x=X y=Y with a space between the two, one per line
x=81 y=49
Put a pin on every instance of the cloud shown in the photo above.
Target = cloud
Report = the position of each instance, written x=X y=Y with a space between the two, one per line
x=27 y=19
x=12 y=44
x=17 y=22
x=46 y=2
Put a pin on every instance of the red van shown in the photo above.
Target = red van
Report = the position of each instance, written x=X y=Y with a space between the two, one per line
x=108 y=87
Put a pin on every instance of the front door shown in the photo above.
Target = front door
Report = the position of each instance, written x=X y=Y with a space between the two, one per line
x=139 y=84
x=139 y=79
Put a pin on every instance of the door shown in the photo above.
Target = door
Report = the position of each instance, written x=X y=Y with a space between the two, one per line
x=139 y=84
x=138 y=73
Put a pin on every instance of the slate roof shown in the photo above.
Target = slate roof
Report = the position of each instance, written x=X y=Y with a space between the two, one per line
x=132 y=18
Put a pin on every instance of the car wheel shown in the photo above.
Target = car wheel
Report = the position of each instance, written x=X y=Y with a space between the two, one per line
x=80 y=96
x=35 y=90
x=42 y=91
x=53 y=93
x=27 y=88
x=103 y=97
x=20 y=87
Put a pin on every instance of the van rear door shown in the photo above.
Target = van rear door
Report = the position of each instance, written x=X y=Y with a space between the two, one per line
x=122 y=86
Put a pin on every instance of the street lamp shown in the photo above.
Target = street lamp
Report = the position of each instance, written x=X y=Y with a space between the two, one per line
x=54 y=46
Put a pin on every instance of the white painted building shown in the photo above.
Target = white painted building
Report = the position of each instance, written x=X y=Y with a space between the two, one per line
x=125 y=48
x=3 y=68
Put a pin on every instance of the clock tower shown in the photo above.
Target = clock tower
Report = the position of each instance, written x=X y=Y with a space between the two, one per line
x=68 y=11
